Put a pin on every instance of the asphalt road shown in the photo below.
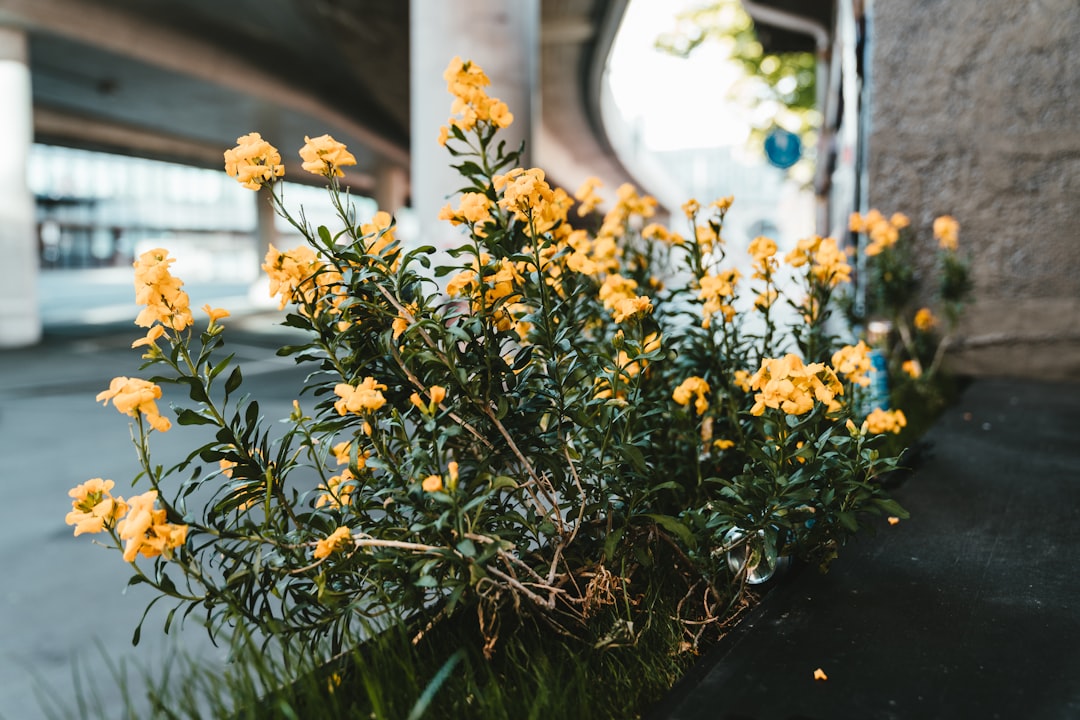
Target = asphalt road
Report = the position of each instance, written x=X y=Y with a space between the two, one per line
x=65 y=616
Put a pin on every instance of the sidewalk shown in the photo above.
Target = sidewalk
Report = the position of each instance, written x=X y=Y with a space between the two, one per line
x=970 y=609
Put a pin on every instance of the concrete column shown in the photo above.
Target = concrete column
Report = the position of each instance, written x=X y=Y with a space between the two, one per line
x=503 y=38
x=265 y=228
x=20 y=319
x=391 y=186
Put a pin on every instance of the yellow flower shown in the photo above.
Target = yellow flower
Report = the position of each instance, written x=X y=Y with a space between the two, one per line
x=215 y=313
x=829 y=263
x=473 y=208
x=432 y=483
x=146 y=530
x=338 y=540
x=853 y=361
x=159 y=291
x=93 y=507
x=401 y=322
x=587 y=196
x=788 y=385
x=692 y=388
x=742 y=380
x=723 y=204
x=912 y=368
x=947 y=232
x=466 y=81
x=253 y=162
x=627 y=308
x=379 y=233
x=765 y=300
x=691 y=208
x=527 y=194
x=856 y=223
x=452 y=475
x=325 y=156
x=714 y=290
x=761 y=248
x=292 y=273
x=615 y=288
x=226 y=467
x=132 y=396
x=723 y=444
x=883 y=421
x=925 y=320
x=151 y=338
x=365 y=397
x=338 y=490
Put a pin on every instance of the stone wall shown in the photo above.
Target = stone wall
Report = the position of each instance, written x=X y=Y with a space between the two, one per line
x=976 y=114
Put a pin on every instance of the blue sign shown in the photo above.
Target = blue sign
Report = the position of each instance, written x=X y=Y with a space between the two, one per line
x=782 y=148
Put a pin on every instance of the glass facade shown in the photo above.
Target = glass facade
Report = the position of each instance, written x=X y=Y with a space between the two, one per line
x=100 y=210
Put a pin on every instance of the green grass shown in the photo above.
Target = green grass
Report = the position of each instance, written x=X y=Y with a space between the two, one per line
x=622 y=661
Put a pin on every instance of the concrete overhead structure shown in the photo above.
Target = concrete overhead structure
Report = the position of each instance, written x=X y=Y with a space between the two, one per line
x=181 y=81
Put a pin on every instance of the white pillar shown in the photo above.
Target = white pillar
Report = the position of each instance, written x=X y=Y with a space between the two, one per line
x=503 y=38
x=265 y=225
x=391 y=186
x=20 y=319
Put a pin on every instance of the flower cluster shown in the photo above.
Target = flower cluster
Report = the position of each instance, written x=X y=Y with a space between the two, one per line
x=136 y=397
x=253 y=162
x=93 y=508
x=325 y=156
x=138 y=523
x=897 y=292
x=788 y=385
x=159 y=291
x=466 y=82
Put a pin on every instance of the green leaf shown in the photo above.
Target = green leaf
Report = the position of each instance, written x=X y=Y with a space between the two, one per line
x=432 y=687
x=187 y=416
x=235 y=378
x=466 y=548
x=847 y=519
x=325 y=236
x=674 y=526
x=892 y=507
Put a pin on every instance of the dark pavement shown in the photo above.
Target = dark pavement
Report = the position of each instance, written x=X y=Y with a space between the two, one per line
x=970 y=609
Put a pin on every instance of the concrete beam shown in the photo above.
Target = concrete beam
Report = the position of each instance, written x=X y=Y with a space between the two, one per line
x=133 y=37
x=58 y=127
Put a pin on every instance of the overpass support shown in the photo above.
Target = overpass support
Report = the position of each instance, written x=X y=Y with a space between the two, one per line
x=504 y=39
x=20 y=321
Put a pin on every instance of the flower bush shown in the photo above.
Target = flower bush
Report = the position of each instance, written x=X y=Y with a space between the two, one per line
x=559 y=417
x=910 y=335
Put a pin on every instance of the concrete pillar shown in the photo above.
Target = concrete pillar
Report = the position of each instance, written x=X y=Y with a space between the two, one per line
x=391 y=186
x=265 y=228
x=504 y=39
x=20 y=319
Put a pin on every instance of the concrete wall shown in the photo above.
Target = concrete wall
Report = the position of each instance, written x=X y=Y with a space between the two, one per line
x=976 y=113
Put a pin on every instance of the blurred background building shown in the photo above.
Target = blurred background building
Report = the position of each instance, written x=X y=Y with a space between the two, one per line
x=923 y=107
